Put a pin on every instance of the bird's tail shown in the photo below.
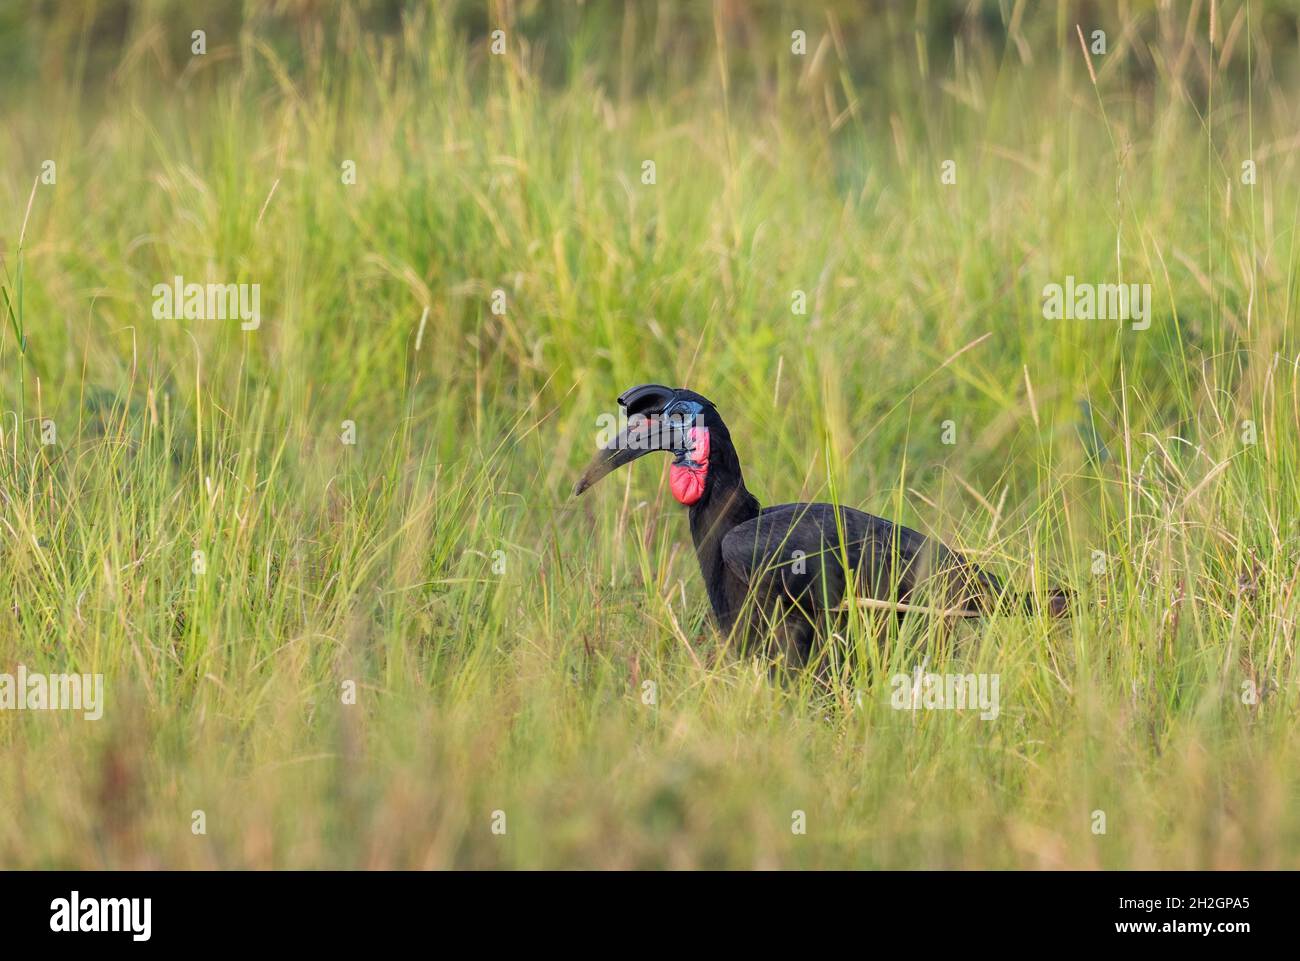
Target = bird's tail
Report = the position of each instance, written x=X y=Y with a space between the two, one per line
x=1058 y=601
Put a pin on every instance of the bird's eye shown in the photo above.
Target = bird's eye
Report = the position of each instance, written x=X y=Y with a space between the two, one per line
x=680 y=414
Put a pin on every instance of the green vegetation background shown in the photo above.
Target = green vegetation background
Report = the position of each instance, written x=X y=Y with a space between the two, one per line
x=1155 y=471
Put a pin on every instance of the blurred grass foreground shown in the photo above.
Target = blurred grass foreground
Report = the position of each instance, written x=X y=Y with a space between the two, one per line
x=322 y=549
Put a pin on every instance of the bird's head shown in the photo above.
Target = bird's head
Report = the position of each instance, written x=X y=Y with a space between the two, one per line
x=671 y=419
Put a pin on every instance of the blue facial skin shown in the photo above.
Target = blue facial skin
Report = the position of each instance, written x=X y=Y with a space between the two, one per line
x=681 y=416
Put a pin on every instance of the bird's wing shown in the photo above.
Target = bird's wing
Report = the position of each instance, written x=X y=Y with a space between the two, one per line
x=790 y=552
x=799 y=551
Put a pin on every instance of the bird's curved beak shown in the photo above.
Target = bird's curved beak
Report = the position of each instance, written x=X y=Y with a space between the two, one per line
x=636 y=440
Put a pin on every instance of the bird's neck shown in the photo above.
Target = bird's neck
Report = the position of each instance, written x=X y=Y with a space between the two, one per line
x=726 y=503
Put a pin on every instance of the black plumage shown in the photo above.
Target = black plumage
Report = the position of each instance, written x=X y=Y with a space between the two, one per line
x=776 y=576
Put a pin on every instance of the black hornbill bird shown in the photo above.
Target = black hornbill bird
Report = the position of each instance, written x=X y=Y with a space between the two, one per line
x=779 y=572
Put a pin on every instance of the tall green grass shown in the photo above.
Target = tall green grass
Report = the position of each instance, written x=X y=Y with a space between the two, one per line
x=500 y=635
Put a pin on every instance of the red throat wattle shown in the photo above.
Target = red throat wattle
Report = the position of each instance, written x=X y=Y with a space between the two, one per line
x=687 y=478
